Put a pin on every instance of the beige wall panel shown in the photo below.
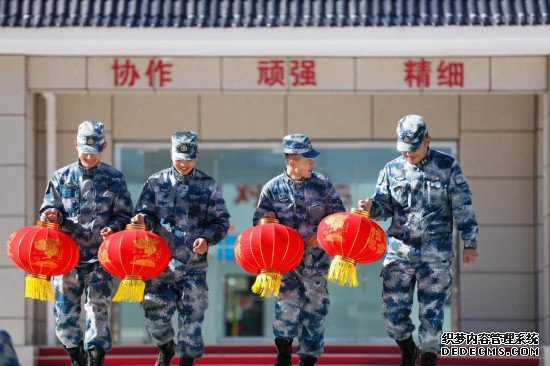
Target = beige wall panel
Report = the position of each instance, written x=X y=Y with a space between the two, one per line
x=154 y=117
x=30 y=195
x=30 y=142
x=439 y=111
x=12 y=149
x=41 y=158
x=330 y=116
x=194 y=73
x=242 y=73
x=503 y=201
x=539 y=201
x=242 y=116
x=41 y=113
x=503 y=248
x=497 y=112
x=67 y=154
x=519 y=73
x=13 y=191
x=540 y=155
x=7 y=226
x=57 y=72
x=478 y=326
x=13 y=85
x=12 y=283
x=543 y=110
x=513 y=292
x=380 y=74
x=73 y=109
x=16 y=328
x=497 y=154
x=101 y=73
x=330 y=74
x=29 y=100
x=543 y=286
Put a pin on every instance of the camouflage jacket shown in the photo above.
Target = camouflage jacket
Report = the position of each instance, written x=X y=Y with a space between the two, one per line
x=300 y=205
x=183 y=208
x=423 y=200
x=88 y=200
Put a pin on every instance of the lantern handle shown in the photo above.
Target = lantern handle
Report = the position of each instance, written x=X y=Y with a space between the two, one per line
x=47 y=224
x=360 y=211
x=136 y=227
x=268 y=220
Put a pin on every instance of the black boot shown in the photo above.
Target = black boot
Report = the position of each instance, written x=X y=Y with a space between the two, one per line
x=307 y=360
x=428 y=359
x=77 y=354
x=187 y=361
x=166 y=352
x=409 y=352
x=284 y=352
x=95 y=357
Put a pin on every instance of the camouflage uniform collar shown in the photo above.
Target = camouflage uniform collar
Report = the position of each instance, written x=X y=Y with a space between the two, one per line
x=182 y=178
x=292 y=182
x=427 y=158
x=86 y=171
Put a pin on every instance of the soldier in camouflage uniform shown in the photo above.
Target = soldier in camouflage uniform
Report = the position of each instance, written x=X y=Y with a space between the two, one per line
x=423 y=191
x=184 y=206
x=300 y=198
x=90 y=201
x=7 y=353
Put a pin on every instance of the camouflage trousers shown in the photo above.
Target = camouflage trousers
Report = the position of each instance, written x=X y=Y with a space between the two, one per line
x=98 y=285
x=189 y=295
x=7 y=353
x=301 y=308
x=433 y=281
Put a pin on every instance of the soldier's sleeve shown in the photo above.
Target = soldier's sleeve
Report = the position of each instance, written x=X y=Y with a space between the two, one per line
x=334 y=202
x=381 y=200
x=217 y=218
x=146 y=205
x=122 y=207
x=461 y=203
x=52 y=199
x=265 y=205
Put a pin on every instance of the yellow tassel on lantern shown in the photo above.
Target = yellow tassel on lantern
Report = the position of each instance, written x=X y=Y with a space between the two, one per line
x=131 y=289
x=38 y=287
x=267 y=284
x=342 y=270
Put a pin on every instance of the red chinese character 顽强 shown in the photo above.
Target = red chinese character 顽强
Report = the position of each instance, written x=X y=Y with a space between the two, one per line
x=248 y=191
x=124 y=74
x=271 y=72
x=450 y=74
x=161 y=69
x=303 y=72
x=417 y=74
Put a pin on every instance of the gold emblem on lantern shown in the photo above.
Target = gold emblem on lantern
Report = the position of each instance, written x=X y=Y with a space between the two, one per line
x=149 y=246
x=336 y=221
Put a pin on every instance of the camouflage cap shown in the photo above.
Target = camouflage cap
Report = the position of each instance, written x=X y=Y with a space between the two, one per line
x=411 y=131
x=184 y=145
x=299 y=144
x=90 y=138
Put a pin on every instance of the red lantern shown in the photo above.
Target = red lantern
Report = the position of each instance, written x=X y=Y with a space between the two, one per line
x=135 y=255
x=268 y=250
x=350 y=238
x=43 y=251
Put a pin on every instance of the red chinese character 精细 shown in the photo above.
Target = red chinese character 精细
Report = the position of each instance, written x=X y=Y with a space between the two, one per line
x=417 y=74
x=450 y=74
